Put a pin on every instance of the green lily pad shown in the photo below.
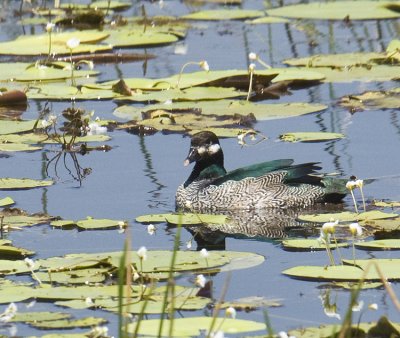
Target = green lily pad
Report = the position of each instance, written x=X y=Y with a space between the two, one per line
x=6 y=201
x=387 y=204
x=92 y=224
x=373 y=100
x=69 y=323
x=186 y=218
x=11 y=147
x=339 y=10
x=24 y=183
x=13 y=252
x=389 y=268
x=62 y=223
x=393 y=46
x=192 y=326
x=384 y=224
x=224 y=14
x=380 y=244
x=308 y=245
x=229 y=108
x=363 y=74
x=81 y=276
x=310 y=136
x=8 y=267
x=267 y=20
x=113 y=5
x=138 y=38
x=21 y=219
x=12 y=127
x=346 y=216
x=189 y=94
x=336 y=60
x=28 y=317
x=38 y=44
x=251 y=303
x=224 y=132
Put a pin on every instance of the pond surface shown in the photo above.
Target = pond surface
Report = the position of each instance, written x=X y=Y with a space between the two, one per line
x=141 y=173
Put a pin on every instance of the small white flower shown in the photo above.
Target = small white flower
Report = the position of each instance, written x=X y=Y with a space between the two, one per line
x=96 y=129
x=357 y=307
x=351 y=185
x=73 y=43
x=359 y=183
x=231 y=312
x=29 y=263
x=217 y=334
x=283 y=334
x=329 y=227
x=151 y=229
x=241 y=139
x=204 y=253
x=49 y=27
x=253 y=56
x=373 y=306
x=135 y=276
x=168 y=102
x=142 y=253
x=252 y=66
x=89 y=301
x=99 y=331
x=200 y=281
x=90 y=65
x=204 y=65
x=45 y=123
x=189 y=244
x=52 y=119
x=355 y=229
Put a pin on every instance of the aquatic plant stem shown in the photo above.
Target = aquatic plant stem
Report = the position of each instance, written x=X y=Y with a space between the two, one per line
x=337 y=248
x=182 y=69
x=73 y=83
x=363 y=199
x=171 y=281
x=250 y=83
x=354 y=251
x=49 y=51
x=268 y=324
x=354 y=201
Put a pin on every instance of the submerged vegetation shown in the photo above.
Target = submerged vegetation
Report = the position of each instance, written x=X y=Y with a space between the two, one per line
x=62 y=68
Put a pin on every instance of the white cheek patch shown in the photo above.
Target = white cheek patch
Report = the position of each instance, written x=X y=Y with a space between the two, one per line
x=201 y=150
x=214 y=148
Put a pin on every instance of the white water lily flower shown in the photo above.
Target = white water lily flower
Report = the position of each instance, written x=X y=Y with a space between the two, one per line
x=96 y=129
x=200 y=281
x=252 y=66
x=151 y=229
x=329 y=227
x=49 y=27
x=142 y=253
x=253 y=56
x=73 y=43
x=89 y=301
x=373 y=306
x=351 y=185
x=29 y=263
x=204 y=65
x=231 y=312
x=204 y=253
x=359 y=183
x=355 y=229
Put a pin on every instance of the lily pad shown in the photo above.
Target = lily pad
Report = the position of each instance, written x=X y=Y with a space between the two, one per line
x=339 y=10
x=308 y=245
x=192 y=326
x=267 y=20
x=346 y=216
x=224 y=14
x=389 y=268
x=9 y=267
x=28 y=317
x=229 y=108
x=69 y=323
x=81 y=276
x=310 y=136
x=138 y=38
x=92 y=224
x=23 y=183
x=12 y=127
x=186 y=218
x=113 y=5
x=12 y=147
x=380 y=244
x=6 y=201
x=384 y=224
x=251 y=303
x=373 y=100
x=38 y=44
x=14 y=253
x=17 y=218
x=387 y=204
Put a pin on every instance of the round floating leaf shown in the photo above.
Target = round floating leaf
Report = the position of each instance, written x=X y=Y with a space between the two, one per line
x=224 y=132
x=63 y=223
x=82 y=276
x=387 y=204
x=389 y=268
x=384 y=224
x=224 y=14
x=372 y=100
x=12 y=127
x=251 y=303
x=138 y=38
x=69 y=323
x=187 y=218
x=339 y=10
x=24 y=183
x=92 y=224
x=308 y=245
x=8 y=267
x=38 y=44
x=13 y=252
x=380 y=244
x=6 y=201
x=23 y=220
x=346 y=216
x=393 y=46
x=230 y=107
x=29 y=317
x=310 y=136
x=267 y=20
x=192 y=326
x=9 y=147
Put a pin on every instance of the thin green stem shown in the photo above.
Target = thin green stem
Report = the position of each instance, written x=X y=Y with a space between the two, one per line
x=263 y=63
x=250 y=85
x=363 y=199
x=354 y=201
x=354 y=251
x=182 y=69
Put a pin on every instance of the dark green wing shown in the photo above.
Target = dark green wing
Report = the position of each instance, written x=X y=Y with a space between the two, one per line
x=295 y=174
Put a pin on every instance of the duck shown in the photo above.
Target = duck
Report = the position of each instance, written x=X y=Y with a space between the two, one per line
x=271 y=184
